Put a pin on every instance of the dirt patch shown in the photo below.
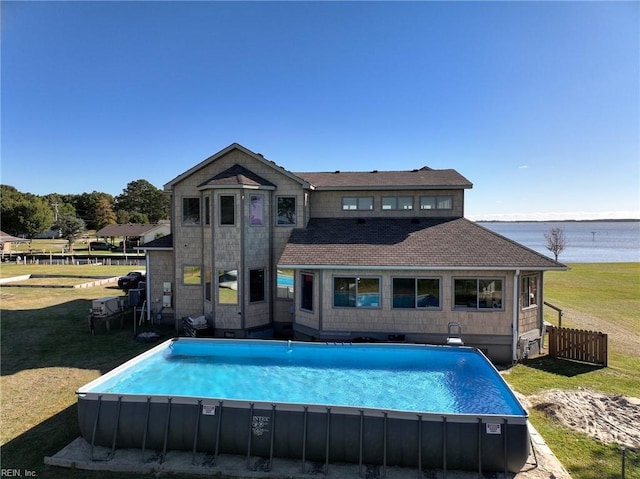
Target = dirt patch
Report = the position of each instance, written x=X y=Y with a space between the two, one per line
x=607 y=418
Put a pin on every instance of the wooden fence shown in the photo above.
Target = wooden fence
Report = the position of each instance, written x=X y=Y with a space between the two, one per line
x=578 y=345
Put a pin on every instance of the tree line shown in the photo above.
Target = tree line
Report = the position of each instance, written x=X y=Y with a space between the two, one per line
x=26 y=214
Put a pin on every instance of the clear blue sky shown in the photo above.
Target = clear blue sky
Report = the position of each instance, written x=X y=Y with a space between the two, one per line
x=536 y=103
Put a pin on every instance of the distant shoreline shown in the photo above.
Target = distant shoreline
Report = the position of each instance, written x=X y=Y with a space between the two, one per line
x=627 y=220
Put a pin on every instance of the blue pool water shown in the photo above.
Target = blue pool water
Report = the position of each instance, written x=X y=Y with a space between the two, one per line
x=391 y=377
x=285 y=280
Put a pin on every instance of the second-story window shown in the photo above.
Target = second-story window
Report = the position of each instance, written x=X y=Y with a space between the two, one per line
x=286 y=211
x=352 y=203
x=207 y=210
x=397 y=202
x=227 y=210
x=436 y=202
x=190 y=211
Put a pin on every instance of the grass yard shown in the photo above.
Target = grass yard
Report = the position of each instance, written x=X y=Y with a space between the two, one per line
x=47 y=352
x=597 y=297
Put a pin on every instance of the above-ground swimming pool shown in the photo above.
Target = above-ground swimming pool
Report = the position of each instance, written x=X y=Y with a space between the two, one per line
x=387 y=404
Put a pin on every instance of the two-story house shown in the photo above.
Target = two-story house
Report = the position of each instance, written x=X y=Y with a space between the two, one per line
x=260 y=251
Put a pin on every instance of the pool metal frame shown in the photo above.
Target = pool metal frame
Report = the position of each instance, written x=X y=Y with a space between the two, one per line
x=100 y=418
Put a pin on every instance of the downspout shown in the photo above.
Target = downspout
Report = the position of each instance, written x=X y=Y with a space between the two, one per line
x=241 y=277
x=273 y=268
x=514 y=325
x=148 y=288
x=203 y=223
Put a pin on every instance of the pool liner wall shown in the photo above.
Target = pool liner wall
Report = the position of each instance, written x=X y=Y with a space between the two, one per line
x=399 y=438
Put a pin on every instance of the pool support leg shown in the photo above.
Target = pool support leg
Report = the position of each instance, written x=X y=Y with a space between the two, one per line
x=361 y=439
x=218 y=430
x=146 y=426
x=326 y=461
x=197 y=430
x=273 y=432
x=384 y=447
x=479 y=447
x=166 y=431
x=420 y=446
x=249 y=439
x=506 y=443
x=444 y=447
x=115 y=428
x=95 y=426
x=304 y=438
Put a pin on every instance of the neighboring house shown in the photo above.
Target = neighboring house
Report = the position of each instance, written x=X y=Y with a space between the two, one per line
x=135 y=234
x=344 y=256
x=5 y=243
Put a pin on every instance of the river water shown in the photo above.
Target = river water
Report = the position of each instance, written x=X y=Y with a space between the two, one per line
x=587 y=241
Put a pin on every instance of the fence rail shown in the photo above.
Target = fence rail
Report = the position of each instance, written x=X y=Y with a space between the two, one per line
x=578 y=345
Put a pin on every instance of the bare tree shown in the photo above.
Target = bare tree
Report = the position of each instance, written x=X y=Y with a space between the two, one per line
x=556 y=241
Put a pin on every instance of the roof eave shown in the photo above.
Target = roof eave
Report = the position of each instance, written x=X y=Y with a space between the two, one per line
x=392 y=187
x=423 y=268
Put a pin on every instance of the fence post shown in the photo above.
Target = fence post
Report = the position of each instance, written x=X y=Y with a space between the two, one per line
x=552 y=341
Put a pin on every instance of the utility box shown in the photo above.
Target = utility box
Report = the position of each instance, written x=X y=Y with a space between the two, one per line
x=166 y=294
x=136 y=297
x=103 y=307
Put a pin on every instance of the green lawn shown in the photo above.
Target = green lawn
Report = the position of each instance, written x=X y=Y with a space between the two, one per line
x=47 y=352
x=600 y=297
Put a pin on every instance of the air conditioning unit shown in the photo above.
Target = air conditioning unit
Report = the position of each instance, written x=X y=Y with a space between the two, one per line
x=136 y=297
x=103 y=307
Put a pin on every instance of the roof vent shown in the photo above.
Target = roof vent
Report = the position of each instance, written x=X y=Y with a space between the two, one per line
x=361 y=221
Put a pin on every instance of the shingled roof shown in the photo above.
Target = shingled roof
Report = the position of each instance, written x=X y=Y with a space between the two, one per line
x=132 y=229
x=408 y=244
x=162 y=243
x=237 y=175
x=420 y=178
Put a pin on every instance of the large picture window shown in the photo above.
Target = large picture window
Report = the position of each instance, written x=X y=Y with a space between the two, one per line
x=436 y=202
x=228 y=210
x=356 y=292
x=363 y=203
x=256 y=285
x=529 y=291
x=416 y=293
x=191 y=275
x=286 y=210
x=228 y=286
x=475 y=293
x=190 y=211
x=284 y=284
x=306 y=292
x=207 y=283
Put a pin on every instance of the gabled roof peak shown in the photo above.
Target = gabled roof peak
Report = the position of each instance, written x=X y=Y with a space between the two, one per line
x=237 y=175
